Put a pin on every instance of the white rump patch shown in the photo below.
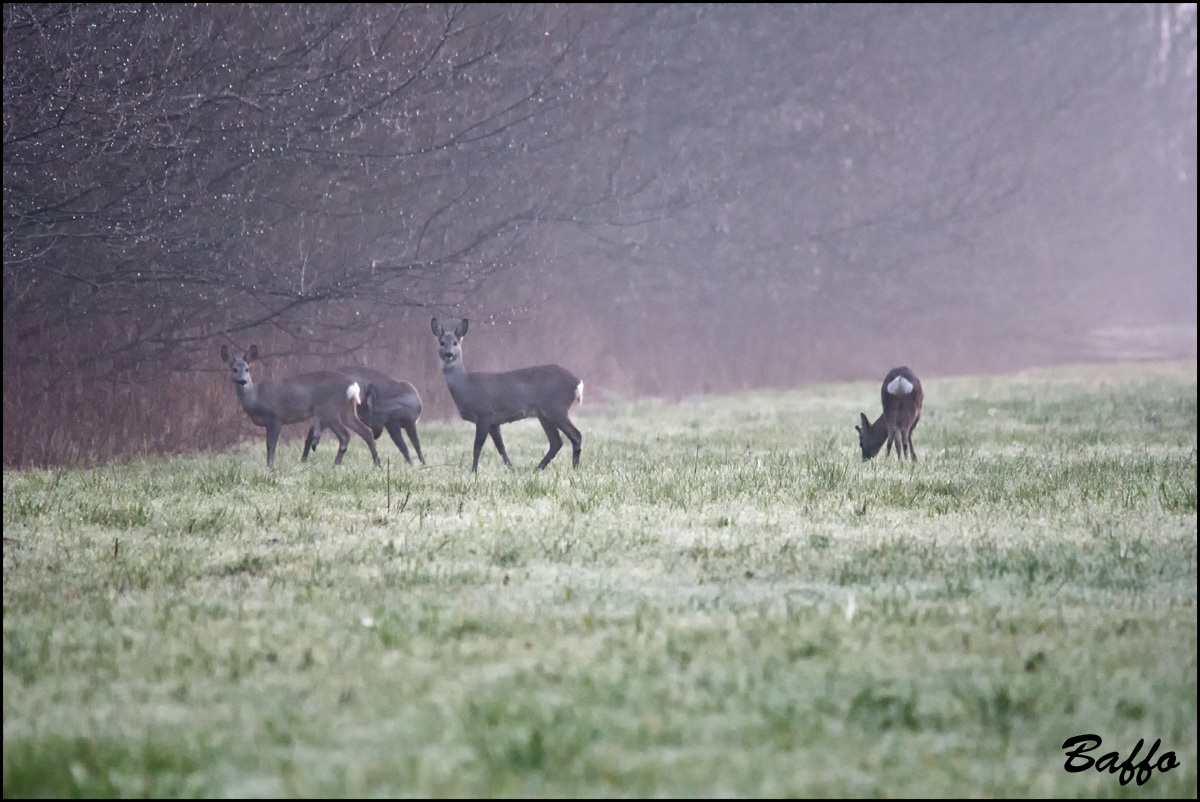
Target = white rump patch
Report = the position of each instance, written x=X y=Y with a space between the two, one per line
x=579 y=393
x=899 y=386
x=352 y=392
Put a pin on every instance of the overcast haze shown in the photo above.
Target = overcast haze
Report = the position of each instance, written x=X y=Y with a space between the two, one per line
x=665 y=200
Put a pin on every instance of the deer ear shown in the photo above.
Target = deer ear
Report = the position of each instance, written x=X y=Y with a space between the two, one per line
x=866 y=424
x=437 y=330
x=252 y=354
x=461 y=330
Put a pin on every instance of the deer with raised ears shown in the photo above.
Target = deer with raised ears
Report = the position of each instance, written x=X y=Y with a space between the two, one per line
x=386 y=404
x=902 y=398
x=491 y=399
x=329 y=397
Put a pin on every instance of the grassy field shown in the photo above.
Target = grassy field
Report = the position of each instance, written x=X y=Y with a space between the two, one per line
x=723 y=600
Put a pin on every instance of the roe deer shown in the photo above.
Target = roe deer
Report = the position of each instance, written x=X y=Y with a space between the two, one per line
x=386 y=404
x=328 y=396
x=491 y=399
x=902 y=398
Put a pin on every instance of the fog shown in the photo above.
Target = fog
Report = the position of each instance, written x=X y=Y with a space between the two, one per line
x=666 y=200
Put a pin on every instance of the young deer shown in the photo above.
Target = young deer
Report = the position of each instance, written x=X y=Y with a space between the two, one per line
x=387 y=404
x=902 y=398
x=329 y=397
x=491 y=399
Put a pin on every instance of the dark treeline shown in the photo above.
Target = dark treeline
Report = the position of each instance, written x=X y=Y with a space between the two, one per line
x=667 y=199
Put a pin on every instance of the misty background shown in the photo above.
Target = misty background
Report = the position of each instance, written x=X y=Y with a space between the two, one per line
x=666 y=200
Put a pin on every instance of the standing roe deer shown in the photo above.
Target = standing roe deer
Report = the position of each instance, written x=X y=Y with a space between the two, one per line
x=328 y=396
x=491 y=399
x=902 y=398
x=387 y=404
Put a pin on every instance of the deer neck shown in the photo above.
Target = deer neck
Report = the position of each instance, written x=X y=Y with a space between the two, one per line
x=456 y=376
x=248 y=396
x=463 y=389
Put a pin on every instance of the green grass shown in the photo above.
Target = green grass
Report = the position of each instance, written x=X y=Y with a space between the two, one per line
x=723 y=600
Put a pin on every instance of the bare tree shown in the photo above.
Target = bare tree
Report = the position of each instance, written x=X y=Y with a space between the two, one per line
x=179 y=174
x=224 y=167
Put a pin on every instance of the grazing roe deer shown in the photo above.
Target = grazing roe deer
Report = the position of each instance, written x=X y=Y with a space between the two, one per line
x=329 y=397
x=491 y=399
x=386 y=404
x=902 y=398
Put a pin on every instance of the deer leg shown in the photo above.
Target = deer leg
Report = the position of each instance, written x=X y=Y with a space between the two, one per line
x=574 y=436
x=494 y=430
x=342 y=434
x=481 y=434
x=411 y=428
x=393 y=428
x=362 y=430
x=912 y=452
x=361 y=411
x=554 y=438
x=310 y=442
x=273 y=428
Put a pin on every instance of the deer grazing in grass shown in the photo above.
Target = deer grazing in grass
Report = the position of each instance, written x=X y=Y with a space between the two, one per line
x=491 y=399
x=329 y=397
x=902 y=398
x=387 y=404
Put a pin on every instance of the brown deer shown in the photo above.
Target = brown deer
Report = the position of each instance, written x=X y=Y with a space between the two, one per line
x=902 y=398
x=387 y=404
x=491 y=399
x=329 y=397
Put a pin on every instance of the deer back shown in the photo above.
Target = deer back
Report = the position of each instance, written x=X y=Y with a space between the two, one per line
x=321 y=394
x=512 y=395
